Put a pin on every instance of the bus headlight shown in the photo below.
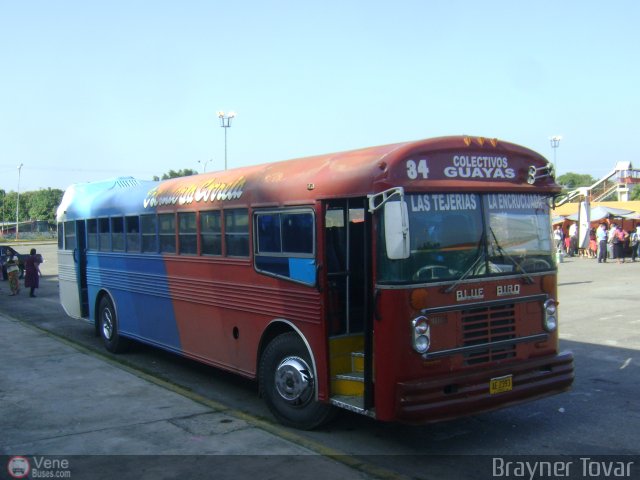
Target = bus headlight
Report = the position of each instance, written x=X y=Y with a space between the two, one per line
x=550 y=322
x=421 y=332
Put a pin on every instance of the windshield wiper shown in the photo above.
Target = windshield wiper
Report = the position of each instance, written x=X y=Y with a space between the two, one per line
x=450 y=288
x=504 y=253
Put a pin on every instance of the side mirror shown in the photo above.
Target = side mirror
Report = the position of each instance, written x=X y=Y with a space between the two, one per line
x=396 y=230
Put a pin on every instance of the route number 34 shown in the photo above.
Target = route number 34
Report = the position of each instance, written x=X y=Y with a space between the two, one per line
x=419 y=168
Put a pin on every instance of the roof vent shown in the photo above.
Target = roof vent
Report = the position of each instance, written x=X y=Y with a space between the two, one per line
x=126 y=182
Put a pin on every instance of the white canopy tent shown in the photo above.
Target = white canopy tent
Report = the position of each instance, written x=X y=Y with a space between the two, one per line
x=600 y=212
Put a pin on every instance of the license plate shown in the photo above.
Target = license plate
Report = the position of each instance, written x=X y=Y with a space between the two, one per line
x=501 y=384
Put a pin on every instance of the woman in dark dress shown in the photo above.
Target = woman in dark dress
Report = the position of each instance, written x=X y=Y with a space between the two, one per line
x=32 y=271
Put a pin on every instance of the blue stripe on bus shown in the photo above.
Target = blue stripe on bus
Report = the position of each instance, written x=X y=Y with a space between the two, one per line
x=139 y=285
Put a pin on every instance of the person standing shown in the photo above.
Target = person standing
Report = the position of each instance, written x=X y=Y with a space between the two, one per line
x=601 y=236
x=610 y=236
x=619 y=237
x=635 y=243
x=32 y=272
x=13 y=271
x=573 y=239
x=593 y=244
x=558 y=236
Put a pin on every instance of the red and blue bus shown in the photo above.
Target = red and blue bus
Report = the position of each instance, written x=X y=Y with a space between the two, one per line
x=412 y=282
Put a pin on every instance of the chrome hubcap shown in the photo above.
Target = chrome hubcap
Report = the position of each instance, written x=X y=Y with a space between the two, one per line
x=107 y=324
x=294 y=380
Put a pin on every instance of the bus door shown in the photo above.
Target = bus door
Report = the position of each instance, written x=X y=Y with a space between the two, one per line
x=72 y=268
x=348 y=282
x=80 y=255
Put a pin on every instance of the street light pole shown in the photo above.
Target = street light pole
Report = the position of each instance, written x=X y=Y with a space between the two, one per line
x=555 y=143
x=18 y=203
x=204 y=164
x=225 y=122
x=4 y=196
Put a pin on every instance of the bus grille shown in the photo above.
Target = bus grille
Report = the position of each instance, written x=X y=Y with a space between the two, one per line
x=486 y=325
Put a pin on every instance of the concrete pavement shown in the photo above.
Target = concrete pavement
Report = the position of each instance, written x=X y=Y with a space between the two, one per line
x=59 y=401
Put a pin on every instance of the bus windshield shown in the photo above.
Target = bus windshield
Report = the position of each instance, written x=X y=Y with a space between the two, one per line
x=462 y=235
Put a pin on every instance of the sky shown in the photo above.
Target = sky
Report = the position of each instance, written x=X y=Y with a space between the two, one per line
x=91 y=90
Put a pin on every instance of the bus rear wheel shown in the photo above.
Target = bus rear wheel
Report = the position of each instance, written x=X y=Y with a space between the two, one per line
x=108 y=327
x=287 y=382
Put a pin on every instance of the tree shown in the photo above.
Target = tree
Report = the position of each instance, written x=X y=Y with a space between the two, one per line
x=185 y=172
x=571 y=181
x=9 y=206
x=35 y=205
x=42 y=204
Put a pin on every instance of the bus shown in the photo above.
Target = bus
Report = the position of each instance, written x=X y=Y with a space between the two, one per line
x=414 y=282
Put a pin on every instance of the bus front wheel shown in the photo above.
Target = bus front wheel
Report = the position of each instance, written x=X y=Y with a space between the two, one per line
x=287 y=382
x=108 y=327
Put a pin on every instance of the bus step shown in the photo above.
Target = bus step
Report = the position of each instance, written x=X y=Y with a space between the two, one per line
x=350 y=384
x=349 y=402
x=357 y=361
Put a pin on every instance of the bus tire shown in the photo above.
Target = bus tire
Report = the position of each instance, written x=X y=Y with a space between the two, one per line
x=108 y=327
x=288 y=385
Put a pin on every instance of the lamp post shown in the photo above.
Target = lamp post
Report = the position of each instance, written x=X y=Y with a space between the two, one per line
x=4 y=196
x=204 y=164
x=225 y=122
x=18 y=203
x=555 y=143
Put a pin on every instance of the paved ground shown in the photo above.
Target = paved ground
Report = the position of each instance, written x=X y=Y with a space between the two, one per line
x=54 y=403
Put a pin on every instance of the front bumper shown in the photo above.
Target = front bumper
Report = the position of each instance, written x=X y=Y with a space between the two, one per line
x=426 y=401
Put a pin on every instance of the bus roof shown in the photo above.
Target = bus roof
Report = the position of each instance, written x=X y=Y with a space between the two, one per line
x=454 y=163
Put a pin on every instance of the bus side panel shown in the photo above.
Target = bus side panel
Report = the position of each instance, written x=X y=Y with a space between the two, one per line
x=389 y=350
x=222 y=311
x=140 y=291
x=68 y=281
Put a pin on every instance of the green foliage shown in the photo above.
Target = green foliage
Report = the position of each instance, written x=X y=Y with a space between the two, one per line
x=185 y=172
x=35 y=205
x=571 y=181
x=635 y=193
x=42 y=204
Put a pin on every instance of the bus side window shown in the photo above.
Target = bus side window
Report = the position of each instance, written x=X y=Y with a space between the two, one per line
x=117 y=234
x=167 y=232
x=60 y=236
x=104 y=235
x=210 y=233
x=132 y=224
x=187 y=233
x=236 y=232
x=69 y=235
x=268 y=233
x=297 y=233
x=149 y=239
x=92 y=234
x=285 y=245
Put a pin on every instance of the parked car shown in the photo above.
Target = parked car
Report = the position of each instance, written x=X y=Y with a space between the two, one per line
x=4 y=252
